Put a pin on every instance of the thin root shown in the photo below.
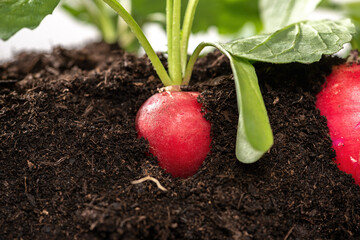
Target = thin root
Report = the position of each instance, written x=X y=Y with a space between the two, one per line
x=151 y=179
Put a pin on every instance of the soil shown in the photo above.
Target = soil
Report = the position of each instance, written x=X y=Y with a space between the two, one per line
x=69 y=153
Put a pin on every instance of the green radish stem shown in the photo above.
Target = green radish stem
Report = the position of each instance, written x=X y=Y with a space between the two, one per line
x=175 y=51
x=186 y=31
x=169 y=26
x=192 y=61
x=179 y=70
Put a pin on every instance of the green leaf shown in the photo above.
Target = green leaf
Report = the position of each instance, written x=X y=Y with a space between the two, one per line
x=349 y=9
x=276 y=14
x=18 y=14
x=303 y=42
x=254 y=135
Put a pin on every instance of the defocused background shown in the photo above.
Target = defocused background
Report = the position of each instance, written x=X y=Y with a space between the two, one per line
x=77 y=22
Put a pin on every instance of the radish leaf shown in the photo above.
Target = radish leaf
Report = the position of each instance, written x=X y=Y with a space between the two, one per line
x=18 y=14
x=292 y=11
x=303 y=42
x=254 y=135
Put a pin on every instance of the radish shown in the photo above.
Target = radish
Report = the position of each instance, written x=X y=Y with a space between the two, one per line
x=339 y=102
x=178 y=134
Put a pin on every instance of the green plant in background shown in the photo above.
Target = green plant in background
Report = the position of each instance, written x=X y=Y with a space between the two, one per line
x=353 y=11
x=97 y=13
x=240 y=18
x=288 y=38
x=228 y=16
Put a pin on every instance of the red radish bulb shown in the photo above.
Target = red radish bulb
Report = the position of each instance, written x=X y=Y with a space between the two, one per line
x=339 y=102
x=177 y=132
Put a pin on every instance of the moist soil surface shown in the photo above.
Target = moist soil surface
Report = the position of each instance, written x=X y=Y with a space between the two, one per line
x=69 y=153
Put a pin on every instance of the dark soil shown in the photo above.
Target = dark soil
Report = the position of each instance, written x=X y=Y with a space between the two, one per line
x=69 y=153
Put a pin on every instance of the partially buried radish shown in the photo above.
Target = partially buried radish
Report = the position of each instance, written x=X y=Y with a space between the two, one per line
x=339 y=102
x=177 y=132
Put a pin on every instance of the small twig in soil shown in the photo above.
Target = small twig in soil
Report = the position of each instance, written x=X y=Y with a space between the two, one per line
x=25 y=184
x=151 y=179
x=289 y=233
x=58 y=162
x=132 y=218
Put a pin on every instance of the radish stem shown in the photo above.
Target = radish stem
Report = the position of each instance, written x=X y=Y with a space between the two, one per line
x=169 y=26
x=186 y=31
x=192 y=61
x=175 y=74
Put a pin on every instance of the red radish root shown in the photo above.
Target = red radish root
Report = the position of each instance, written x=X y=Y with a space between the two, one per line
x=177 y=132
x=339 y=102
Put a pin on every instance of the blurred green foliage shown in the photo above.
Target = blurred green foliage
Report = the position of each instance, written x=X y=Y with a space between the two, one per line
x=238 y=18
x=94 y=12
x=228 y=16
